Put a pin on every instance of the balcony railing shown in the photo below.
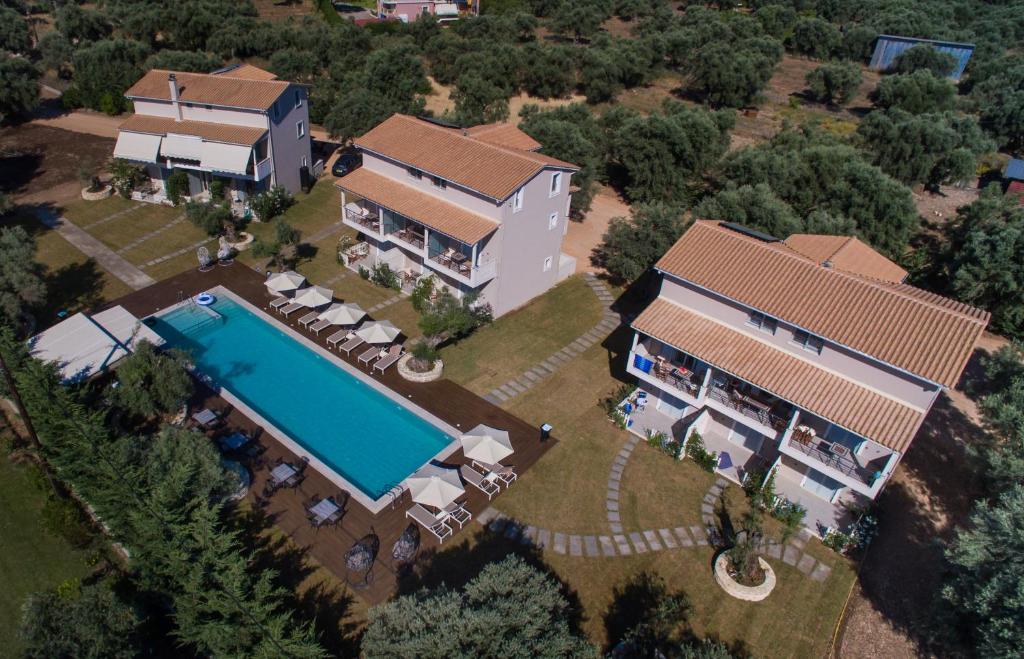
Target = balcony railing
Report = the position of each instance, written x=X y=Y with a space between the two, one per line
x=366 y=219
x=747 y=406
x=823 y=452
x=409 y=237
x=461 y=266
x=262 y=169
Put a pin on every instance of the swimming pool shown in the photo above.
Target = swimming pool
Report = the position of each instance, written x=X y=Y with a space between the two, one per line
x=368 y=437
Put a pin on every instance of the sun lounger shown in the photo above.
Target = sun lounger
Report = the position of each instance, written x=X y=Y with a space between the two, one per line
x=319 y=325
x=424 y=518
x=279 y=302
x=477 y=480
x=394 y=354
x=457 y=512
x=291 y=308
x=338 y=337
x=505 y=474
x=308 y=318
x=371 y=354
x=351 y=344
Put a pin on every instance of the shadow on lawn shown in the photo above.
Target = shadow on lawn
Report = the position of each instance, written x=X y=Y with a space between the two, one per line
x=918 y=513
x=71 y=288
x=646 y=619
x=456 y=566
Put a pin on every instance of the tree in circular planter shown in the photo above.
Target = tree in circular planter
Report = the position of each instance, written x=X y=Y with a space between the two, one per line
x=443 y=318
x=743 y=565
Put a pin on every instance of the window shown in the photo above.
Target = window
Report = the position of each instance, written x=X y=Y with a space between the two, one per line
x=300 y=130
x=305 y=163
x=547 y=264
x=415 y=173
x=438 y=182
x=552 y=221
x=808 y=342
x=298 y=98
x=556 y=183
x=762 y=322
x=517 y=201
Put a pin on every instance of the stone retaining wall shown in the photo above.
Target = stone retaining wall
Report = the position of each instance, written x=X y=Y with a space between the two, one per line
x=415 y=376
x=739 y=591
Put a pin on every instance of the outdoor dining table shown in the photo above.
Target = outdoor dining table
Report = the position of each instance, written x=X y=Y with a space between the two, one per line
x=323 y=509
x=283 y=472
x=234 y=441
x=205 y=417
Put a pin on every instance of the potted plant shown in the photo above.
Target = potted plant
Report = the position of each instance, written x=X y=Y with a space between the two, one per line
x=92 y=188
x=739 y=570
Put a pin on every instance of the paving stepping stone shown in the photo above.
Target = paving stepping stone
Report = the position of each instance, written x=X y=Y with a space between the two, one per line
x=613 y=516
x=798 y=541
x=613 y=484
x=707 y=509
x=531 y=533
x=684 y=536
x=710 y=498
x=775 y=550
x=721 y=481
x=498 y=523
x=575 y=545
x=708 y=520
x=613 y=495
x=515 y=386
x=622 y=545
x=559 y=543
x=492 y=399
x=652 y=539
x=619 y=460
x=666 y=537
x=486 y=515
x=532 y=376
x=612 y=506
x=821 y=572
x=508 y=391
x=590 y=545
x=791 y=555
x=543 y=538
x=806 y=564
x=607 y=548
x=698 y=534
x=615 y=527
x=638 y=543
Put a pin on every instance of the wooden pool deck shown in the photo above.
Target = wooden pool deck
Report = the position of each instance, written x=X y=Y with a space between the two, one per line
x=447 y=400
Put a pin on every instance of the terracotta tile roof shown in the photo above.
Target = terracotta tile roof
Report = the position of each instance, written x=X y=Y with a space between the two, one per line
x=919 y=332
x=211 y=132
x=245 y=72
x=846 y=253
x=436 y=214
x=495 y=171
x=507 y=135
x=209 y=89
x=857 y=408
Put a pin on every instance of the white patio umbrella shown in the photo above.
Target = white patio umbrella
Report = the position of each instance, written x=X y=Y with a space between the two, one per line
x=347 y=313
x=282 y=282
x=314 y=296
x=435 y=486
x=378 y=331
x=486 y=444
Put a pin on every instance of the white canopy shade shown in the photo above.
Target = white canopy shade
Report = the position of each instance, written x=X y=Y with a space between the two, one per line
x=230 y=158
x=486 y=444
x=188 y=147
x=378 y=331
x=84 y=345
x=435 y=486
x=314 y=296
x=140 y=147
x=282 y=282
x=348 y=313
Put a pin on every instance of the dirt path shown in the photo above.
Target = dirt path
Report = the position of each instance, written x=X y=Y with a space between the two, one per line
x=583 y=237
x=83 y=121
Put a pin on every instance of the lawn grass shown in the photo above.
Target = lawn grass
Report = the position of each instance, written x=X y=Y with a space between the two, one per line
x=655 y=487
x=180 y=236
x=83 y=213
x=31 y=559
x=523 y=338
x=74 y=281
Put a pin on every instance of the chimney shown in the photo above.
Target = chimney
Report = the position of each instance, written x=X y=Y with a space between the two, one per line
x=172 y=81
x=827 y=263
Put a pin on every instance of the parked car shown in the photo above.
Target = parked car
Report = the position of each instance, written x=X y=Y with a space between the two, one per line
x=347 y=162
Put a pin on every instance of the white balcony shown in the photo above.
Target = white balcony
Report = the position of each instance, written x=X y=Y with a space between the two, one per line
x=462 y=270
x=263 y=168
x=363 y=218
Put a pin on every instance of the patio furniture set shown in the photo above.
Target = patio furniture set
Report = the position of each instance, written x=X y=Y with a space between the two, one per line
x=436 y=489
x=378 y=338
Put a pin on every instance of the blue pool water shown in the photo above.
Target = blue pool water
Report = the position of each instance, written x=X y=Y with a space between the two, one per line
x=367 y=438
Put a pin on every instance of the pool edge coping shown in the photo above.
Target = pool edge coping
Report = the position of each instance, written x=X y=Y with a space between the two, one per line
x=373 y=505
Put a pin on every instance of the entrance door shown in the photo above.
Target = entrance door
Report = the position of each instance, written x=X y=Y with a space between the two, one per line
x=821 y=485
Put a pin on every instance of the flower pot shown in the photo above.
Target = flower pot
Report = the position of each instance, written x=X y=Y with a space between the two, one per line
x=416 y=376
x=97 y=195
x=738 y=590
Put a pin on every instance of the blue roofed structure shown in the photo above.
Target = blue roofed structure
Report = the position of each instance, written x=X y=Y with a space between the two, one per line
x=1014 y=170
x=889 y=46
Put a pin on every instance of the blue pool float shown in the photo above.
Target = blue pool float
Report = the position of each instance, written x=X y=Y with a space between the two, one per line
x=204 y=299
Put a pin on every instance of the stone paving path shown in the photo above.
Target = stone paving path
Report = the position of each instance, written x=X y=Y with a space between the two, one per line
x=176 y=253
x=387 y=303
x=152 y=234
x=93 y=248
x=111 y=218
x=620 y=543
x=324 y=233
x=609 y=321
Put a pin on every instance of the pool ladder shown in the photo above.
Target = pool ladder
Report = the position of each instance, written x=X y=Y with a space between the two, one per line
x=190 y=304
